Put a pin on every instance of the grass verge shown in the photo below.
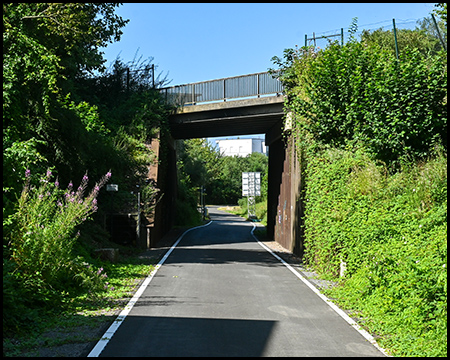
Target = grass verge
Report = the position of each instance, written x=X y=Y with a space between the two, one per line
x=71 y=332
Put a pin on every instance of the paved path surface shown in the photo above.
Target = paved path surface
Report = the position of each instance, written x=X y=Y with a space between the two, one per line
x=219 y=293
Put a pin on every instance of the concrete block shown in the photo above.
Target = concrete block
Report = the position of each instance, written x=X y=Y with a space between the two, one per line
x=108 y=254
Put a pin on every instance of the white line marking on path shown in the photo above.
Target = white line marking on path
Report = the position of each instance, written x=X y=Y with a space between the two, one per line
x=347 y=318
x=98 y=348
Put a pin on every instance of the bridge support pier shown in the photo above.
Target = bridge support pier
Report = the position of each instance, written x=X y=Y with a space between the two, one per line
x=284 y=207
x=163 y=173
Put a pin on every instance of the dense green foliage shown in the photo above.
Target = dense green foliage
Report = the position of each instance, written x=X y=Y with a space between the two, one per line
x=424 y=38
x=65 y=113
x=371 y=132
x=360 y=92
x=441 y=11
x=40 y=266
x=46 y=47
x=391 y=231
x=131 y=113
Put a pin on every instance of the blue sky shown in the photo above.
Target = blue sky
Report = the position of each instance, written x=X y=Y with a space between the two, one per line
x=191 y=42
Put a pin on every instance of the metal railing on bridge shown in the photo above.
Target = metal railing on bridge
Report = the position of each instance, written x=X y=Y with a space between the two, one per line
x=236 y=87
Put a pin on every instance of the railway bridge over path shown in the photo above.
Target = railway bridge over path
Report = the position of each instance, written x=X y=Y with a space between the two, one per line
x=244 y=105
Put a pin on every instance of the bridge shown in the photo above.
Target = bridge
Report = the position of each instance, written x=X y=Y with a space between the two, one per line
x=239 y=105
x=242 y=105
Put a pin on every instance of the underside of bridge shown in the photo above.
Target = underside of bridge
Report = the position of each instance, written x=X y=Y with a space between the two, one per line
x=245 y=117
x=228 y=118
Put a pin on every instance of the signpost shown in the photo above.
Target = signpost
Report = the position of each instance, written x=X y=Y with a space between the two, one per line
x=251 y=187
x=111 y=188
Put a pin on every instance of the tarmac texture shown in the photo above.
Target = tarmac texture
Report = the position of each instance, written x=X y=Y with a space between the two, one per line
x=219 y=293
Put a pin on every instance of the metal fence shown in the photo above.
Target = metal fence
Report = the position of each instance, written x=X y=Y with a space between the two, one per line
x=235 y=87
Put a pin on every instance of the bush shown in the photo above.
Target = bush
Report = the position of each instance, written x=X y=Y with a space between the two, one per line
x=40 y=268
x=360 y=92
x=391 y=230
x=186 y=214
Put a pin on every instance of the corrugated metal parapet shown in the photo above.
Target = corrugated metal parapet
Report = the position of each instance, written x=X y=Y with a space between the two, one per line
x=236 y=87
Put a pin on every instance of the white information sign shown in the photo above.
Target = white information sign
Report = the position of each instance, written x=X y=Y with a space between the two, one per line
x=112 y=187
x=251 y=184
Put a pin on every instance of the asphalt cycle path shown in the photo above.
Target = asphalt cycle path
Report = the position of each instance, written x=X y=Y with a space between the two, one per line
x=220 y=293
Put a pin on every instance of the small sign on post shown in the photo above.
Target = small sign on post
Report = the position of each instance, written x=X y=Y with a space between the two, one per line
x=112 y=187
x=251 y=187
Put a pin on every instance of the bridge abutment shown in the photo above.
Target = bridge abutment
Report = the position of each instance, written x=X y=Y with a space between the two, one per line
x=163 y=173
x=284 y=206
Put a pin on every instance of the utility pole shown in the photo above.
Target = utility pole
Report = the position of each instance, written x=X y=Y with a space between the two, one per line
x=395 y=38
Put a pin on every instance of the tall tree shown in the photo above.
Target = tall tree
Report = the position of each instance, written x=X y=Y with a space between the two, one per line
x=46 y=46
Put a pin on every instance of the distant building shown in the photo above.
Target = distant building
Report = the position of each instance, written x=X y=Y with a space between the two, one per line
x=241 y=147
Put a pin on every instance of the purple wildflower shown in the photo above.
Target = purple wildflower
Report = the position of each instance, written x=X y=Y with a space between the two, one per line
x=49 y=173
x=108 y=174
x=27 y=173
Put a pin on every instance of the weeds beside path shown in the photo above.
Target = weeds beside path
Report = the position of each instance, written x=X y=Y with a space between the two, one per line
x=74 y=332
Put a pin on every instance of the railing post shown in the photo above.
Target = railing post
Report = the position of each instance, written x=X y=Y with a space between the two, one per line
x=257 y=84
x=193 y=94
x=224 y=97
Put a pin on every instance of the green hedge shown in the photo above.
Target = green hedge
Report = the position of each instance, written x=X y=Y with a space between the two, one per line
x=360 y=92
x=391 y=231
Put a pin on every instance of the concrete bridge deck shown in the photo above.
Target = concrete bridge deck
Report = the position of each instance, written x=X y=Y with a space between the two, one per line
x=227 y=118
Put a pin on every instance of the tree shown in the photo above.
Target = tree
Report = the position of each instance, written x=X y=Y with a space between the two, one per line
x=424 y=37
x=75 y=32
x=200 y=164
x=441 y=11
x=45 y=48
